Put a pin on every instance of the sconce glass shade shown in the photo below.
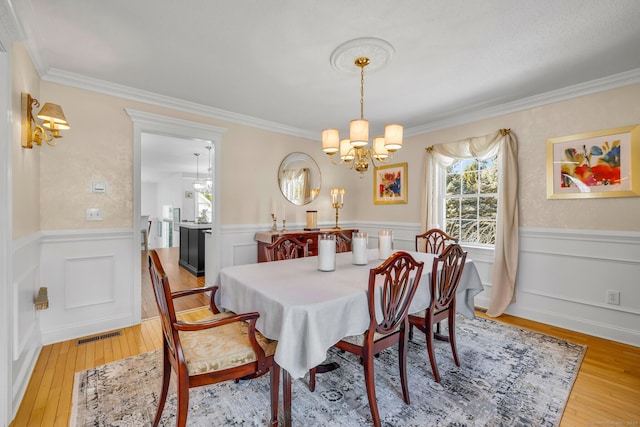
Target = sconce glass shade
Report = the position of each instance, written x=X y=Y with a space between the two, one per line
x=359 y=132
x=53 y=117
x=393 y=137
x=379 y=151
x=330 y=141
x=347 y=152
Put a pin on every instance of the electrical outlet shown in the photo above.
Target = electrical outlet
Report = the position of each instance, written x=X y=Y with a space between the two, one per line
x=94 y=214
x=613 y=297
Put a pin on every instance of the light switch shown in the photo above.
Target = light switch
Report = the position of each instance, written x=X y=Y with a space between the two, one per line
x=94 y=214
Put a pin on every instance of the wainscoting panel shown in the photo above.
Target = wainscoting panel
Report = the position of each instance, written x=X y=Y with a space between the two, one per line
x=90 y=280
x=564 y=277
x=25 y=338
x=76 y=292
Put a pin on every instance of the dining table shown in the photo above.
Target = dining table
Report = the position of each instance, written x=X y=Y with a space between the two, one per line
x=307 y=310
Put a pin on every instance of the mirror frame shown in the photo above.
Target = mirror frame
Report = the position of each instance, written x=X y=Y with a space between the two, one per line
x=300 y=161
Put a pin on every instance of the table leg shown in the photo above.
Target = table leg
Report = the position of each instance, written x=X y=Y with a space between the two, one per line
x=286 y=397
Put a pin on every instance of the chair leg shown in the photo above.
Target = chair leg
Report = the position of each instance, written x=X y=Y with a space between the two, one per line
x=312 y=379
x=274 y=373
x=452 y=336
x=182 y=403
x=166 y=377
x=402 y=357
x=432 y=356
x=371 y=387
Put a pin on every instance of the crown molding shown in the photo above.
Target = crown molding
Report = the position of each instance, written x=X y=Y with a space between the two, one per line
x=478 y=112
x=55 y=75
x=10 y=29
x=471 y=114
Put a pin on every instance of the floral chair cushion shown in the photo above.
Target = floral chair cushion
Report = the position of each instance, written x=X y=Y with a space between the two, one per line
x=221 y=347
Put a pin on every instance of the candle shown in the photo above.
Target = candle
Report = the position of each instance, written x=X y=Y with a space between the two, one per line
x=273 y=207
x=359 y=248
x=326 y=252
x=284 y=212
x=385 y=244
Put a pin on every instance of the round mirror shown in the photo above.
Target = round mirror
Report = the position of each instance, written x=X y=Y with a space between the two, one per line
x=299 y=178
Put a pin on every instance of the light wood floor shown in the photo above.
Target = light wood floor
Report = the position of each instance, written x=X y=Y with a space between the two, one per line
x=178 y=277
x=606 y=392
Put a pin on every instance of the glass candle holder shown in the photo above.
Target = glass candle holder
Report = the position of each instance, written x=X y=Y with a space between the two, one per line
x=385 y=244
x=326 y=252
x=359 y=248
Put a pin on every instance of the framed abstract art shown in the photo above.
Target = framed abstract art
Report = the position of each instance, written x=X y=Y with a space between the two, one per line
x=390 y=184
x=596 y=164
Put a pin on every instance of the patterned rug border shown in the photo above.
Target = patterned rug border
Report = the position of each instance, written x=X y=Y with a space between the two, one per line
x=496 y=323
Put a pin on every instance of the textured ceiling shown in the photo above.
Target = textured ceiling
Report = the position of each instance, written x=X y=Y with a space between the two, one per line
x=270 y=60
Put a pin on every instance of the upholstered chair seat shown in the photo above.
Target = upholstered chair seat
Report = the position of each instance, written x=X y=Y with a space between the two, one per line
x=224 y=347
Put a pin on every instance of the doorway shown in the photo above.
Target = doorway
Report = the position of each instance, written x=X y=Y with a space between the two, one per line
x=168 y=128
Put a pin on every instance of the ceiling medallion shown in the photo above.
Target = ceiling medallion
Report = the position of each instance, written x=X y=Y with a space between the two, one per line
x=355 y=151
x=380 y=53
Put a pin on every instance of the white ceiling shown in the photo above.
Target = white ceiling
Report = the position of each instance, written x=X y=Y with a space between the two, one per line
x=269 y=61
x=163 y=156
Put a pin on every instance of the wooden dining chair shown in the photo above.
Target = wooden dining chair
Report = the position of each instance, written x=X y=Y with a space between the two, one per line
x=433 y=241
x=392 y=286
x=343 y=243
x=445 y=277
x=286 y=247
x=223 y=347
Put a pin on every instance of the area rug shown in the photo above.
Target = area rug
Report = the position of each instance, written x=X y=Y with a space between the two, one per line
x=508 y=377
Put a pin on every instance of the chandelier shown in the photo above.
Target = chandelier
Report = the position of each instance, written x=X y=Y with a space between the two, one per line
x=355 y=151
x=204 y=185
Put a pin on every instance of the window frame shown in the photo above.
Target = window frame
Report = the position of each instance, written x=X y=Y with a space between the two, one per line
x=442 y=196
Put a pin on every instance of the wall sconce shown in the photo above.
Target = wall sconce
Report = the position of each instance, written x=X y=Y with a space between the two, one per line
x=53 y=121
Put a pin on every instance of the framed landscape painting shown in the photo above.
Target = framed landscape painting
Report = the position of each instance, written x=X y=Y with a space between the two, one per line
x=390 y=184
x=596 y=164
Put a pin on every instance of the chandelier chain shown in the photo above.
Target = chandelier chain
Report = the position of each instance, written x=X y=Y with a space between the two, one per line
x=362 y=91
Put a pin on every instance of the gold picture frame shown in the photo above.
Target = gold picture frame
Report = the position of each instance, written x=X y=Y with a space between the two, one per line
x=390 y=184
x=594 y=164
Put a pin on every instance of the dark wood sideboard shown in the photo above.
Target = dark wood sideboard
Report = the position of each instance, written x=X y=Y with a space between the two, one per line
x=265 y=238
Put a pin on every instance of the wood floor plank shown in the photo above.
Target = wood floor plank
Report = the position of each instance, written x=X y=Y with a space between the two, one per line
x=66 y=390
x=29 y=398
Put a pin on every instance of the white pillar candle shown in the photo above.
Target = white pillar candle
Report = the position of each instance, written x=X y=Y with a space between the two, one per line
x=359 y=248
x=385 y=244
x=326 y=252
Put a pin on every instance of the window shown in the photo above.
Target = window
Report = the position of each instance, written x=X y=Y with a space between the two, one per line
x=203 y=205
x=470 y=200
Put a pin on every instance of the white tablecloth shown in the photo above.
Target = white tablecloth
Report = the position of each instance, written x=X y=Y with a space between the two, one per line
x=308 y=311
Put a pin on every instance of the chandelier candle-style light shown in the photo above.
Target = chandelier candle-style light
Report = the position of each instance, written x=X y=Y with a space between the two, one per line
x=355 y=151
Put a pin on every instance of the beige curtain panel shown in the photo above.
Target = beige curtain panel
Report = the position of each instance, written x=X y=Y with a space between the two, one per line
x=503 y=144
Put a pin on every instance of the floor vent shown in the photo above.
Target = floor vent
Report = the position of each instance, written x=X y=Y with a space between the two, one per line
x=481 y=309
x=99 y=337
